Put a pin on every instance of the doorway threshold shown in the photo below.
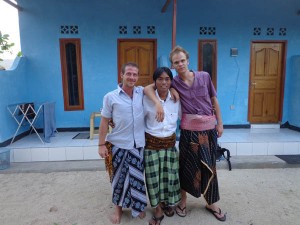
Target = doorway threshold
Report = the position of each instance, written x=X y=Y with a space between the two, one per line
x=266 y=126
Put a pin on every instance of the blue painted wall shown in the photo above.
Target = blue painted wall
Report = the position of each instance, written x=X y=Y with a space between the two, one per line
x=99 y=21
x=14 y=88
x=294 y=99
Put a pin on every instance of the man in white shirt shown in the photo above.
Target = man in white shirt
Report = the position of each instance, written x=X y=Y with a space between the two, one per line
x=161 y=156
x=123 y=148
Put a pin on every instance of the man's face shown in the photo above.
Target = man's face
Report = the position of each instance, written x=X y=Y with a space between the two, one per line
x=163 y=83
x=180 y=63
x=130 y=76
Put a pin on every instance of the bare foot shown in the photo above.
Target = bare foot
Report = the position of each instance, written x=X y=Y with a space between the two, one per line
x=142 y=215
x=115 y=218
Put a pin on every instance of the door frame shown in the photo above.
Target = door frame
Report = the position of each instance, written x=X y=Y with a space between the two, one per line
x=154 y=41
x=283 y=71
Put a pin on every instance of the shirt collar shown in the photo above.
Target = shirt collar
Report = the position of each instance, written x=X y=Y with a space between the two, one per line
x=168 y=97
x=135 y=89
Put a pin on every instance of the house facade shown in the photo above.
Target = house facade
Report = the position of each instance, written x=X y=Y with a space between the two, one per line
x=240 y=43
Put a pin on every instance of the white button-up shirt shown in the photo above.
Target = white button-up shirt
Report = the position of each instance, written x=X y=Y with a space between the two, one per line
x=169 y=124
x=128 y=116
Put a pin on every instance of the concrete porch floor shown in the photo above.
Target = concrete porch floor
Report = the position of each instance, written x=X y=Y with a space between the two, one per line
x=240 y=142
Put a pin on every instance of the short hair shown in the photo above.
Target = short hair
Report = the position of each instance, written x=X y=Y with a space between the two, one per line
x=133 y=64
x=177 y=49
x=159 y=71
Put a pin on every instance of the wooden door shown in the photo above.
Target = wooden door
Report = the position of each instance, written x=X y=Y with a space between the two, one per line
x=266 y=82
x=140 y=51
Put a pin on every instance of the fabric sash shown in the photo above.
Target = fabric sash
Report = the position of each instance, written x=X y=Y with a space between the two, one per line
x=108 y=160
x=157 y=143
x=194 y=122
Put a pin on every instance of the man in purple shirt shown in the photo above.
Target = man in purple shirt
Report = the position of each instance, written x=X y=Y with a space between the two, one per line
x=201 y=124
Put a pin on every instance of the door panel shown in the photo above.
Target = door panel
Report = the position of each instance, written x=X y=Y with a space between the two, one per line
x=142 y=52
x=266 y=82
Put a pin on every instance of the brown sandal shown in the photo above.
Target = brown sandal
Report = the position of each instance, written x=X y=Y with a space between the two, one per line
x=215 y=213
x=157 y=219
x=168 y=211
x=180 y=211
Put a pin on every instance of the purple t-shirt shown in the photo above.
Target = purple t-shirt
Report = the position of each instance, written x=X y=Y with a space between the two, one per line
x=197 y=98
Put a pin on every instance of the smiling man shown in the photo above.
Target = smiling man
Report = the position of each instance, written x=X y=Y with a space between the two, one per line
x=161 y=156
x=123 y=148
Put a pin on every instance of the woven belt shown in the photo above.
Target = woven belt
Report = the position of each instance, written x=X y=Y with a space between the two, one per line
x=156 y=143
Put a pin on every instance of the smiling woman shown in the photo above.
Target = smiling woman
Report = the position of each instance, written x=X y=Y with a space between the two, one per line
x=9 y=24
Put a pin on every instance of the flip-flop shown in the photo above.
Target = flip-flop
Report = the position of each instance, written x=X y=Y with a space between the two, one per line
x=181 y=212
x=168 y=211
x=157 y=219
x=215 y=212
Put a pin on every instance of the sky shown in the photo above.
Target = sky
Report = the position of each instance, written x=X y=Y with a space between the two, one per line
x=9 y=24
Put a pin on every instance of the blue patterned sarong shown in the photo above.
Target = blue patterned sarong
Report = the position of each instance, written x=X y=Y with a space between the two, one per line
x=128 y=185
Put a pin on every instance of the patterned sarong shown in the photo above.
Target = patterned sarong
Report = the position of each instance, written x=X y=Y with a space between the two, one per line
x=197 y=164
x=162 y=177
x=128 y=186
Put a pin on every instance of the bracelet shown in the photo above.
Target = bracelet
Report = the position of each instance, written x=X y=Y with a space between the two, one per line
x=101 y=145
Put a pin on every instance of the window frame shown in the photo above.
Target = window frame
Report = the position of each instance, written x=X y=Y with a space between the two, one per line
x=77 y=42
x=213 y=43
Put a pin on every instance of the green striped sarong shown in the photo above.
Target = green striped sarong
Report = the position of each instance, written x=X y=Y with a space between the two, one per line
x=162 y=176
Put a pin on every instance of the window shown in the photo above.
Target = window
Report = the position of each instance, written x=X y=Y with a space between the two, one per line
x=207 y=55
x=70 y=56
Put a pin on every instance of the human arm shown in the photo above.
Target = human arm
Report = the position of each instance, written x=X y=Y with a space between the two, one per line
x=174 y=94
x=150 y=92
x=216 y=106
x=102 y=150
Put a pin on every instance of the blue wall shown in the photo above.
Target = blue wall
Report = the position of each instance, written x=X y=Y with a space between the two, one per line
x=14 y=89
x=294 y=103
x=99 y=22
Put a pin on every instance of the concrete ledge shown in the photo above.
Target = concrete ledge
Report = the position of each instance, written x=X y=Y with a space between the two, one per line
x=237 y=162
x=255 y=162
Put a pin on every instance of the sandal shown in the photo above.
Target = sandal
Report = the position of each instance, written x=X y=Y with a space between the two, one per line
x=157 y=219
x=168 y=211
x=215 y=213
x=180 y=211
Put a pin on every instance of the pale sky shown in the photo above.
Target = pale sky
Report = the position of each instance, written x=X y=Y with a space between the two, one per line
x=9 y=24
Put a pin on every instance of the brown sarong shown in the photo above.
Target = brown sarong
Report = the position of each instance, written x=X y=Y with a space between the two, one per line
x=157 y=143
x=108 y=160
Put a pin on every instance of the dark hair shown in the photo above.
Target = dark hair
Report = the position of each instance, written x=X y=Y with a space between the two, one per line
x=177 y=49
x=133 y=64
x=159 y=71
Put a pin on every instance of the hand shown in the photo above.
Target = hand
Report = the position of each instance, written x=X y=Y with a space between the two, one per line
x=160 y=114
x=220 y=129
x=102 y=151
x=174 y=94
x=111 y=123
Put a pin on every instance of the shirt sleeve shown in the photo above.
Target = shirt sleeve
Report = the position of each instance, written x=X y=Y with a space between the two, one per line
x=107 y=107
x=210 y=86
